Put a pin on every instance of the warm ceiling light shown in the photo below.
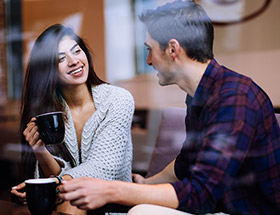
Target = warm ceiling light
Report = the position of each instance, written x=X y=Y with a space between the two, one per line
x=225 y=12
x=225 y=1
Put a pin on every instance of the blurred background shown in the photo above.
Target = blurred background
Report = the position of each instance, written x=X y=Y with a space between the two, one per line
x=247 y=39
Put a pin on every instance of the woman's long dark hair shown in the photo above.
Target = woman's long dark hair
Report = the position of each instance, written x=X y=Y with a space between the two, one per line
x=42 y=91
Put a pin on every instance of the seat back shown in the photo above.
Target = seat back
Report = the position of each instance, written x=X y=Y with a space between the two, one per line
x=170 y=138
x=278 y=118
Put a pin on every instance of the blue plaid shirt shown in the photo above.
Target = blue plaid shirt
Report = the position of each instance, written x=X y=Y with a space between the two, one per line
x=230 y=161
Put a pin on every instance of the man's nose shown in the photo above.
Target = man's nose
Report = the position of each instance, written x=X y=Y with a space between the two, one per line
x=149 y=60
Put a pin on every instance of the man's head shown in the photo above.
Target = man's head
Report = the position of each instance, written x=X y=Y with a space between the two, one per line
x=184 y=21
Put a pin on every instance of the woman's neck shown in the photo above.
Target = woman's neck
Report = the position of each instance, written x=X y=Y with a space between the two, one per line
x=77 y=97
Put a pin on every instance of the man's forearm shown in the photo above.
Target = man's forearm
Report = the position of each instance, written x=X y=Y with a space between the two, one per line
x=133 y=194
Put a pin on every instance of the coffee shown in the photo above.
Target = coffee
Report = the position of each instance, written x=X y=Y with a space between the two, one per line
x=51 y=127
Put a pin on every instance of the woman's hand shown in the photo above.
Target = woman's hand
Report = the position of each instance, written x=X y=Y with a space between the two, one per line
x=16 y=191
x=46 y=161
x=138 y=179
x=32 y=135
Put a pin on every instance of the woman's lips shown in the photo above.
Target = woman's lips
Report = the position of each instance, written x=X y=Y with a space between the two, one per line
x=76 y=72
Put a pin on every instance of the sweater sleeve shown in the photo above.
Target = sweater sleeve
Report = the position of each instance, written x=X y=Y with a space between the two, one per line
x=110 y=154
x=63 y=164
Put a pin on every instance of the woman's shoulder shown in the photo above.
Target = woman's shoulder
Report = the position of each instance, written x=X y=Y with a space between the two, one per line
x=108 y=92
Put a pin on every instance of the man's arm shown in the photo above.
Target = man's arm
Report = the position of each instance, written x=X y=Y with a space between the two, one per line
x=92 y=193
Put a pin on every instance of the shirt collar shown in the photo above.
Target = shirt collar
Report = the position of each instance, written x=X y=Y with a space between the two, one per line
x=205 y=85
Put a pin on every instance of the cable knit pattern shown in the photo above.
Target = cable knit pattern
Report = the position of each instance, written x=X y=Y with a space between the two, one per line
x=106 y=147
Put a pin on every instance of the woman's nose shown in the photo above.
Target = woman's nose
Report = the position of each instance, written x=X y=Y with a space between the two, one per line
x=72 y=60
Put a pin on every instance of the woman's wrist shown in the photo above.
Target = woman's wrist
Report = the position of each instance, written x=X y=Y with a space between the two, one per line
x=39 y=149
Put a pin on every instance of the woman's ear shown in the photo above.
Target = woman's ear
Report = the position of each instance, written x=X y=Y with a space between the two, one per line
x=173 y=48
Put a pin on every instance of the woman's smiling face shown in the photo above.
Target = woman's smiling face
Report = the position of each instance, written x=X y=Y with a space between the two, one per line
x=72 y=62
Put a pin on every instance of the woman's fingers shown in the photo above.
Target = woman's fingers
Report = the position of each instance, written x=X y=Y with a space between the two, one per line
x=32 y=135
x=16 y=190
x=19 y=186
x=138 y=179
x=21 y=195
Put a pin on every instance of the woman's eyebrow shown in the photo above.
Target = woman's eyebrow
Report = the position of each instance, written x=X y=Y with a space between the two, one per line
x=74 y=46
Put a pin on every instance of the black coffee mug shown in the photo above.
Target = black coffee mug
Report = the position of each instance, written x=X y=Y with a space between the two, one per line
x=41 y=195
x=51 y=127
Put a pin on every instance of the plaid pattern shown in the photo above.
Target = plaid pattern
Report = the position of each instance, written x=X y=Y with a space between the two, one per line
x=230 y=161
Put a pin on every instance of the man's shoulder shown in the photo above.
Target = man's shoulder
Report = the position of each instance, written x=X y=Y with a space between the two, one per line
x=234 y=82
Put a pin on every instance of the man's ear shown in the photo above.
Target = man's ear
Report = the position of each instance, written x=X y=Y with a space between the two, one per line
x=173 y=48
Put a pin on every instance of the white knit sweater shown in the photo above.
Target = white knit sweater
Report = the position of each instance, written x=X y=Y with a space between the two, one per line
x=106 y=147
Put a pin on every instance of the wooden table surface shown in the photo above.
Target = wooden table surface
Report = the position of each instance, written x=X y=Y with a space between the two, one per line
x=10 y=208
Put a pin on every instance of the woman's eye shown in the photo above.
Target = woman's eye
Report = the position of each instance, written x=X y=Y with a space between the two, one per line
x=60 y=59
x=77 y=51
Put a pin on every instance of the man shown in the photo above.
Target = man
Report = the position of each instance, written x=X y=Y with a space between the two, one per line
x=230 y=161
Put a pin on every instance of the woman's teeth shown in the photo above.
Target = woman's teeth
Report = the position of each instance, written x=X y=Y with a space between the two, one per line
x=76 y=71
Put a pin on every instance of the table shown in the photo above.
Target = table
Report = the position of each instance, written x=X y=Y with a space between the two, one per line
x=10 y=208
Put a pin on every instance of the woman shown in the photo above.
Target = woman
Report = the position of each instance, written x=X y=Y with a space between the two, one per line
x=98 y=116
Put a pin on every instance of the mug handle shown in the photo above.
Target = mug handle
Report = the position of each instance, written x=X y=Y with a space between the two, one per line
x=57 y=191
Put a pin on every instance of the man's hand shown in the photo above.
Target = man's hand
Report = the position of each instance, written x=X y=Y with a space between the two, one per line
x=93 y=193
x=86 y=193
